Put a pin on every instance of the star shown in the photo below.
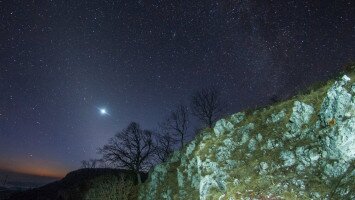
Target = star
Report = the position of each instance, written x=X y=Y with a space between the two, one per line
x=103 y=111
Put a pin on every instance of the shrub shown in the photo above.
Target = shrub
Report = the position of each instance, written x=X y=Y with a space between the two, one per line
x=111 y=188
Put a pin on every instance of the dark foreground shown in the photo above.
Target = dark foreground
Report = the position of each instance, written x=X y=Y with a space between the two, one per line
x=82 y=184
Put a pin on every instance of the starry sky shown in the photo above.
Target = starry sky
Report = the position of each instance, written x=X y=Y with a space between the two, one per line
x=61 y=61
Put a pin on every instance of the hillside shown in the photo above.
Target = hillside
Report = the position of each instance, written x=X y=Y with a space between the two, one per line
x=86 y=184
x=302 y=148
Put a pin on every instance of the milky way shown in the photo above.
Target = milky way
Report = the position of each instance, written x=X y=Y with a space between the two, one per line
x=62 y=60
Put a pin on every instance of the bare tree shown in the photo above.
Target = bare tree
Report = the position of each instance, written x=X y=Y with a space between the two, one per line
x=92 y=163
x=132 y=149
x=165 y=143
x=177 y=123
x=4 y=180
x=207 y=105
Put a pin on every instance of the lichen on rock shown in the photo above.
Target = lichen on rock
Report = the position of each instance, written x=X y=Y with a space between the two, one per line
x=288 y=157
x=301 y=114
x=237 y=118
x=276 y=117
x=336 y=103
x=222 y=126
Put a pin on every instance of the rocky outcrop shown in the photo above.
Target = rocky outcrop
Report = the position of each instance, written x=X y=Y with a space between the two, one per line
x=303 y=148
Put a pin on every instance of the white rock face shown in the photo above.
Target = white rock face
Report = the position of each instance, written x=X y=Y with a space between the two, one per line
x=222 y=126
x=336 y=103
x=251 y=145
x=237 y=118
x=345 y=141
x=336 y=169
x=336 y=115
x=301 y=114
x=306 y=158
x=190 y=148
x=345 y=78
x=206 y=184
x=244 y=131
x=230 y=144
x=157 y=176
x=276 y=117
x=288 y=157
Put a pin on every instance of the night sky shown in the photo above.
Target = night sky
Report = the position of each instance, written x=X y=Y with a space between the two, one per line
x=62 y=61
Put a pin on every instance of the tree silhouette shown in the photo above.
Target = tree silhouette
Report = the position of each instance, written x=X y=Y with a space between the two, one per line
x=177 y=123
x=92 y=163
x=132 y=148
x=164 y=148
x=207 y=105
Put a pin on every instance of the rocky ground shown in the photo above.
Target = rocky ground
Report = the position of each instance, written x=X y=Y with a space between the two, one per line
x=302 y=148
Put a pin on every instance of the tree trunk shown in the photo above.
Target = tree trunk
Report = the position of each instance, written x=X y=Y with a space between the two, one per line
x=182 y=141
x=210 y=123
x=139 y=178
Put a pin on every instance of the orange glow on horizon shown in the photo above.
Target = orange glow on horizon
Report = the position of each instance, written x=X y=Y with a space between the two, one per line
x=36 y=167
x=45 y=172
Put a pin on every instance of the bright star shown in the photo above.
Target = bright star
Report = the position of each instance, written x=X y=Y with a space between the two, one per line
x=103 y=111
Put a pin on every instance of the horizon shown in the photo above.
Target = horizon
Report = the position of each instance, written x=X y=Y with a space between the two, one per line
x=31 y=173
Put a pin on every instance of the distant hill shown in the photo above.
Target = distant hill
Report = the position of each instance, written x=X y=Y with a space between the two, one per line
x=12 y=182
x=98 y=183
x=20 y=181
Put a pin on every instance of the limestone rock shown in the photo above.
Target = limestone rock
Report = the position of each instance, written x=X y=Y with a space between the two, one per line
x=276 y=117
x=222 y=126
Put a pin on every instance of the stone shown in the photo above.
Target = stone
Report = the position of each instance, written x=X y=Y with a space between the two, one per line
x=307 y=157
x=230 y=144
x=222 y=126
x=301 y=114
x=272 y=144
x=190 y=148
x=167 y=195
x=244 y=131
x=337 y=114
x=206 y=184
x=156 y=176
x=288 y=157
x=336 y=169
x=336 y=104
x=237 y=118
x=230 y=164
x=299 y=183
x=353 y=88
x=345 y=140
x=276 y=117
x=344 y=80
x=252 y=144
x=263 y=168
x=223 y=153
x=236 y=182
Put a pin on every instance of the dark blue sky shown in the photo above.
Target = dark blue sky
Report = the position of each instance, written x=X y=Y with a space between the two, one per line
x=61 y=60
